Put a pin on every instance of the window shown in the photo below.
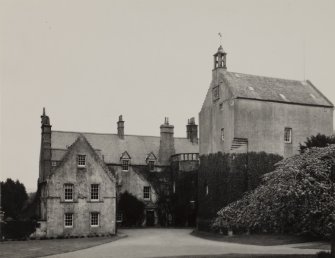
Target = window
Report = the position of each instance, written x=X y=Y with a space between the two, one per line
x=68 y=220
x=221 y=106
x=216 y=93
x=222 y=134
x=95 y=219
x=68 y=192
x=146 y=192
x=81 y=161
x=206 y=189
x=54 y=163
x=125 y=164
x=151 y=164
x=94 y=192
x=288 y=135
x=174 y=187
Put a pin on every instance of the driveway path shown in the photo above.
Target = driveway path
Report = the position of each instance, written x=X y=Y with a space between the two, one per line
x=160 y=242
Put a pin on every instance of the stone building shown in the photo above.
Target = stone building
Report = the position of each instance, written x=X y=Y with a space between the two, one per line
x=245 y=113
x=114 y=164
x=77 y=191
x=247 y=123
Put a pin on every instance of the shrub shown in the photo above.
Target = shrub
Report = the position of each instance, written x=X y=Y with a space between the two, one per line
x=324 y=255
x=16 y=229
x=298 y=197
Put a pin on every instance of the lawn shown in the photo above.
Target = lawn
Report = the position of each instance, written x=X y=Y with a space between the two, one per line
x=38 y=248
x=265 y=240
x=247 y=256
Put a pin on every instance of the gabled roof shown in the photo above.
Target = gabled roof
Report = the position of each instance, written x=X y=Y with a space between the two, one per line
x=111 y=146
x=273 y=89
x=151 y=156
x=125 y=155
x=95 y=155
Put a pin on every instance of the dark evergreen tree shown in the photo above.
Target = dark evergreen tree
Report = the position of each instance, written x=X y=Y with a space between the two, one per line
x=319 y=140
x=13 y=198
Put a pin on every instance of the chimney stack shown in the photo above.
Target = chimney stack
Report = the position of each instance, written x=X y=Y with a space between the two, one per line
x=45 y=154
x=166 y=147
x=120 y=128
x=192 y=130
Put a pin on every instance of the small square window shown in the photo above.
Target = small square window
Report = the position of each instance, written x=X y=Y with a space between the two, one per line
x=288 y=135
x=125 y=165
x=68 y=192
x=54 y=163
x=68 y=220
x=222 y=134
x=151 y=165
x=146 y=192
x=95 y=219
x=81 y=160
x=94 y=192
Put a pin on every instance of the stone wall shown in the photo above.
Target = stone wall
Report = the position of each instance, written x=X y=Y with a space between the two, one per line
x=69 y=173
x=262 y=123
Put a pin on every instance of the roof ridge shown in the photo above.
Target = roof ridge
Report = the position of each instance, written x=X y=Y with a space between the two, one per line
x=136 y=135
x=77 y=132
x=269 y=77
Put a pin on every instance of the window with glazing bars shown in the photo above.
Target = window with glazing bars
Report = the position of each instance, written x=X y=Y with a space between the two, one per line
x=94 y=219
x=125 y=165
x=146 y=192
x=94 y=192
x=68 y=220
x=68 y=192
x=81 y=160
x=288 y=135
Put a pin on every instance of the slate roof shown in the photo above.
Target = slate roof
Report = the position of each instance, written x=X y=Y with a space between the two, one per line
x=273 y=89
x=112 y=147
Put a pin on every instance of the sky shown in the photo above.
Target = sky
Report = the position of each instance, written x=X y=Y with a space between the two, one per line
x=87 y=62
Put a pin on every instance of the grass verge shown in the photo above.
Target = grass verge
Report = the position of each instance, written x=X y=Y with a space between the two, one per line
x=38 y=248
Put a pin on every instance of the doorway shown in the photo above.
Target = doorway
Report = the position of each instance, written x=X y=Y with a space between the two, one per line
x=150 y=218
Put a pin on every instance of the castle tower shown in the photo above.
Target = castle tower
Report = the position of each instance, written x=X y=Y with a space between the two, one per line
x=45 y=155
x=220 y=59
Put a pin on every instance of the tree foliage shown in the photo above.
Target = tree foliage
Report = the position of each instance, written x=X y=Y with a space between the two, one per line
x=319 y=140
x=132 y=209
x=297 y=197
x=13 y=198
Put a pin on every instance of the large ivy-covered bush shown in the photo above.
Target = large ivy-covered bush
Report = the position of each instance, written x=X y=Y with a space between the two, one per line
x=297 y=197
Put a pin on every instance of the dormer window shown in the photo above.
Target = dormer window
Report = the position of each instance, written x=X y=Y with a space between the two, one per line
x=81 y=160
x=151 y=164
x=151 y=161
x=125 y=161
x=125 y=164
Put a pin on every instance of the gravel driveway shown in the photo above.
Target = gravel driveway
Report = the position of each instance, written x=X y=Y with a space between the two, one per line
x=152 y=242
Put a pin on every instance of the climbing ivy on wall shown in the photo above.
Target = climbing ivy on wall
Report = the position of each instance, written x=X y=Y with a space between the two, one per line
x=224 y=178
